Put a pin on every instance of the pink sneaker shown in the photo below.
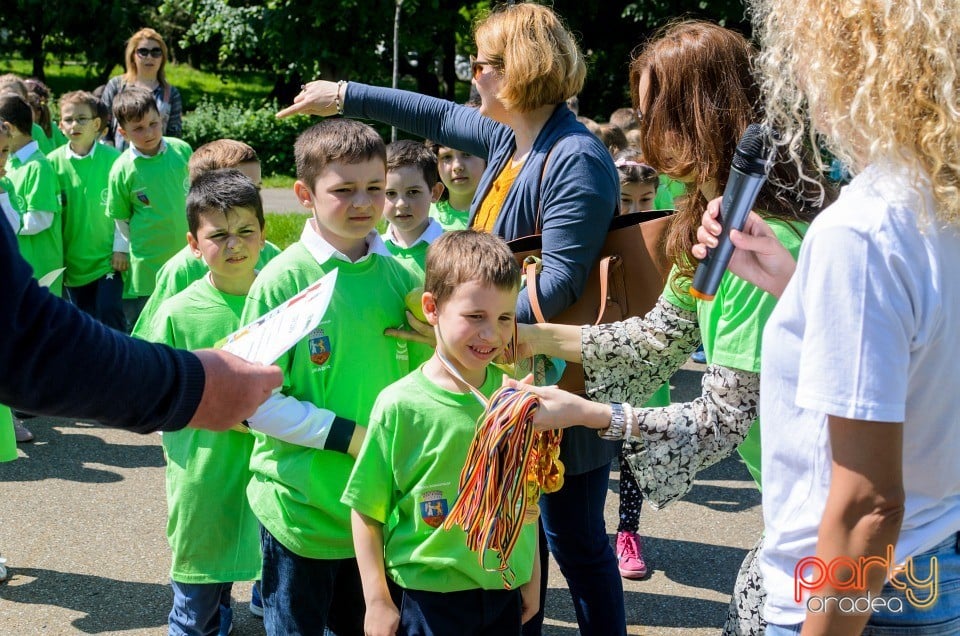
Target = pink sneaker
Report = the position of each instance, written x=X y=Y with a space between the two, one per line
x=630 y=556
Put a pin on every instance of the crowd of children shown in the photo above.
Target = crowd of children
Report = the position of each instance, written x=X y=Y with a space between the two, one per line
x=332 y=542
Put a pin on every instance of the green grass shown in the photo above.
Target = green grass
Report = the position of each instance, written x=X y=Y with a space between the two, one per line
x=278 y=181
x=284 y=229
x=192 y=83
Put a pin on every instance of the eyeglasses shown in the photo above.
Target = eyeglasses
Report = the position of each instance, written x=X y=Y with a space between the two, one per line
x=145 y=52
x=82 y=121
x=476 y=67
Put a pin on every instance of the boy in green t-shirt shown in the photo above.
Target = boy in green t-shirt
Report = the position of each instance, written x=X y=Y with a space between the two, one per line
x=412 y=185
x=183 y=268
x=95 y=253
x=147 y=192
x=331 y=378
x=210 y=527
x=35 y=193
x=460 y=174
x=406 y=475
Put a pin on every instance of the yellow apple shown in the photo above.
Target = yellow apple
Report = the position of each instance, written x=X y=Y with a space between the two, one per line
x=414 y=304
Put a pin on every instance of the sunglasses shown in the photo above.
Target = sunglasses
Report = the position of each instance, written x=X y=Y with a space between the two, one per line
x=144 y=52
x=476 y=67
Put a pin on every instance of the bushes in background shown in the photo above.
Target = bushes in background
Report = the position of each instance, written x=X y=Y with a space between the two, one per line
x=256 y=125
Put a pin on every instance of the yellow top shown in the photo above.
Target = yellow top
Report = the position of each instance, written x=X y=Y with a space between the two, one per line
x=493 y=202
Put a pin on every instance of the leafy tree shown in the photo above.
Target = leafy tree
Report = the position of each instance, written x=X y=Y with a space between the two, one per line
x=93 y=31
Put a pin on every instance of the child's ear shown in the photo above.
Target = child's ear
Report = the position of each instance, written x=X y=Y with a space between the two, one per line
x=122 y=132
x=430 y=309
x=194 y=245
x=97 y=124
x=303 y=194
x=436 y=192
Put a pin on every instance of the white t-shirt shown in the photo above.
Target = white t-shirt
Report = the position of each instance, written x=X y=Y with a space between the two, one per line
x=868 y=329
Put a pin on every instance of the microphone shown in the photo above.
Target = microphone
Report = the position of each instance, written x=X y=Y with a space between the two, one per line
x=751 y=161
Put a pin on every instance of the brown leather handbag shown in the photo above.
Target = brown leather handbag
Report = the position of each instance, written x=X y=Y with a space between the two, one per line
x=626 y=280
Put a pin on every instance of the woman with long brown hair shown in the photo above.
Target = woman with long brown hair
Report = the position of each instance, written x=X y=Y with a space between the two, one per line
x=695 y=95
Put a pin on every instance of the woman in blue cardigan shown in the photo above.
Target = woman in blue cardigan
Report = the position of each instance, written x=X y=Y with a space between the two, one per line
x=547 y=172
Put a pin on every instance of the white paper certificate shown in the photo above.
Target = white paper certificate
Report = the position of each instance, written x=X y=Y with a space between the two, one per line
x=272 y=334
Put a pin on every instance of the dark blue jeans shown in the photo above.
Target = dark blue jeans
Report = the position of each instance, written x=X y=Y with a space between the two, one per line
x=572 y=521
x=465 y=613
x=102 y=299
x=302 y=596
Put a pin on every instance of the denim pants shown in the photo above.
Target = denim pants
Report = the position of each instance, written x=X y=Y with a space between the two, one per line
x=199 y=608
x=102 y=299
x=942 y=618
x=302 y=596
x=572 y=521
x=465 y=613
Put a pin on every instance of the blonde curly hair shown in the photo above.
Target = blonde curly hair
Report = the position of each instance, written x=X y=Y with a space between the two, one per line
x=879 y=78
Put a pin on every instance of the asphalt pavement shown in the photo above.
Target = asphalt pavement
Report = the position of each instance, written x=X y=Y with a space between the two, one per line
x=82 y=517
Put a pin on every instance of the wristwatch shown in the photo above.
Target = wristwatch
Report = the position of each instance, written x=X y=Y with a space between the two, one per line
x=617 y=421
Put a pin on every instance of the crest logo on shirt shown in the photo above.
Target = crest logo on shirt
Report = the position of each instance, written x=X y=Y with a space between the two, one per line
x=142 y=197
x=319 y=344
x=433 y=508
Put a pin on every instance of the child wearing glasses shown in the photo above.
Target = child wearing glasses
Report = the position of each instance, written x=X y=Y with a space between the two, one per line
x=95 y=253
x=146 y=60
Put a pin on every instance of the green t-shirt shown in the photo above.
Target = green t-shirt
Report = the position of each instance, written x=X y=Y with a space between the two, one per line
x=8 y=437
x=151 y=194
x=406 y=477
x=342 y=366
x=212 y=531
x=731 y=325
x=48 y=144
x=414 y=259
x=448 y=217
x=87 y=231
x=668 y=190
x=182 y=269
x=35 y=189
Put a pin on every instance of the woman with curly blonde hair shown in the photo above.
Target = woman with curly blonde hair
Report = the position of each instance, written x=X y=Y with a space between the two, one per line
x=859 y=403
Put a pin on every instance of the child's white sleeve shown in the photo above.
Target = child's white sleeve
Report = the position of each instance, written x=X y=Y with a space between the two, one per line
x=35 y=222
x=123 y=227
x=121 y=243
x=301 y=423
x=9 y=213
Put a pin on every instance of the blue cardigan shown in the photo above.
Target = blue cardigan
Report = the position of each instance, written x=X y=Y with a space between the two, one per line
x=57 y=360
x=576 y=197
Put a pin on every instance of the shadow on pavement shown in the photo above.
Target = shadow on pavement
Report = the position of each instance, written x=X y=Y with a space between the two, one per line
x=58 y=454
x=119 y=605
x=693 y=564
x=655 y=610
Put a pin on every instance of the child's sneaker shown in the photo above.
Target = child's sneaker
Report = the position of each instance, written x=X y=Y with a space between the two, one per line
x=4 y=574
x=630 y=556
x=256 y=603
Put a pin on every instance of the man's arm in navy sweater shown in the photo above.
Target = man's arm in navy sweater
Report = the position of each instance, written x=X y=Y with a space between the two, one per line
x=56 y=360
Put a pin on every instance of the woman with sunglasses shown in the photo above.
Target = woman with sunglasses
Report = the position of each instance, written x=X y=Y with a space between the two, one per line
x=146 y=58
x=545 y=172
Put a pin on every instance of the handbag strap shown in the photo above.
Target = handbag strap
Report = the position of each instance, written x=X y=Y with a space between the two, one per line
x=530 y=269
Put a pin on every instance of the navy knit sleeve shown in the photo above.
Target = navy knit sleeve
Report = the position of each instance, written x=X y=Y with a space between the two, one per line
x=56 y=360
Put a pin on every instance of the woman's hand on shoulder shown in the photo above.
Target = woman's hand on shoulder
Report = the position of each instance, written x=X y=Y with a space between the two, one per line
x=760 y=257
x=318 y=97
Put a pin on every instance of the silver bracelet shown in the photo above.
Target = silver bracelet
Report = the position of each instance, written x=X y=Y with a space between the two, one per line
x=337 y=101
x=615 y=430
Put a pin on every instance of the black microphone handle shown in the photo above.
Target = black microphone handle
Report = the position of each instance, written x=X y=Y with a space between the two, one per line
x=738 y=199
